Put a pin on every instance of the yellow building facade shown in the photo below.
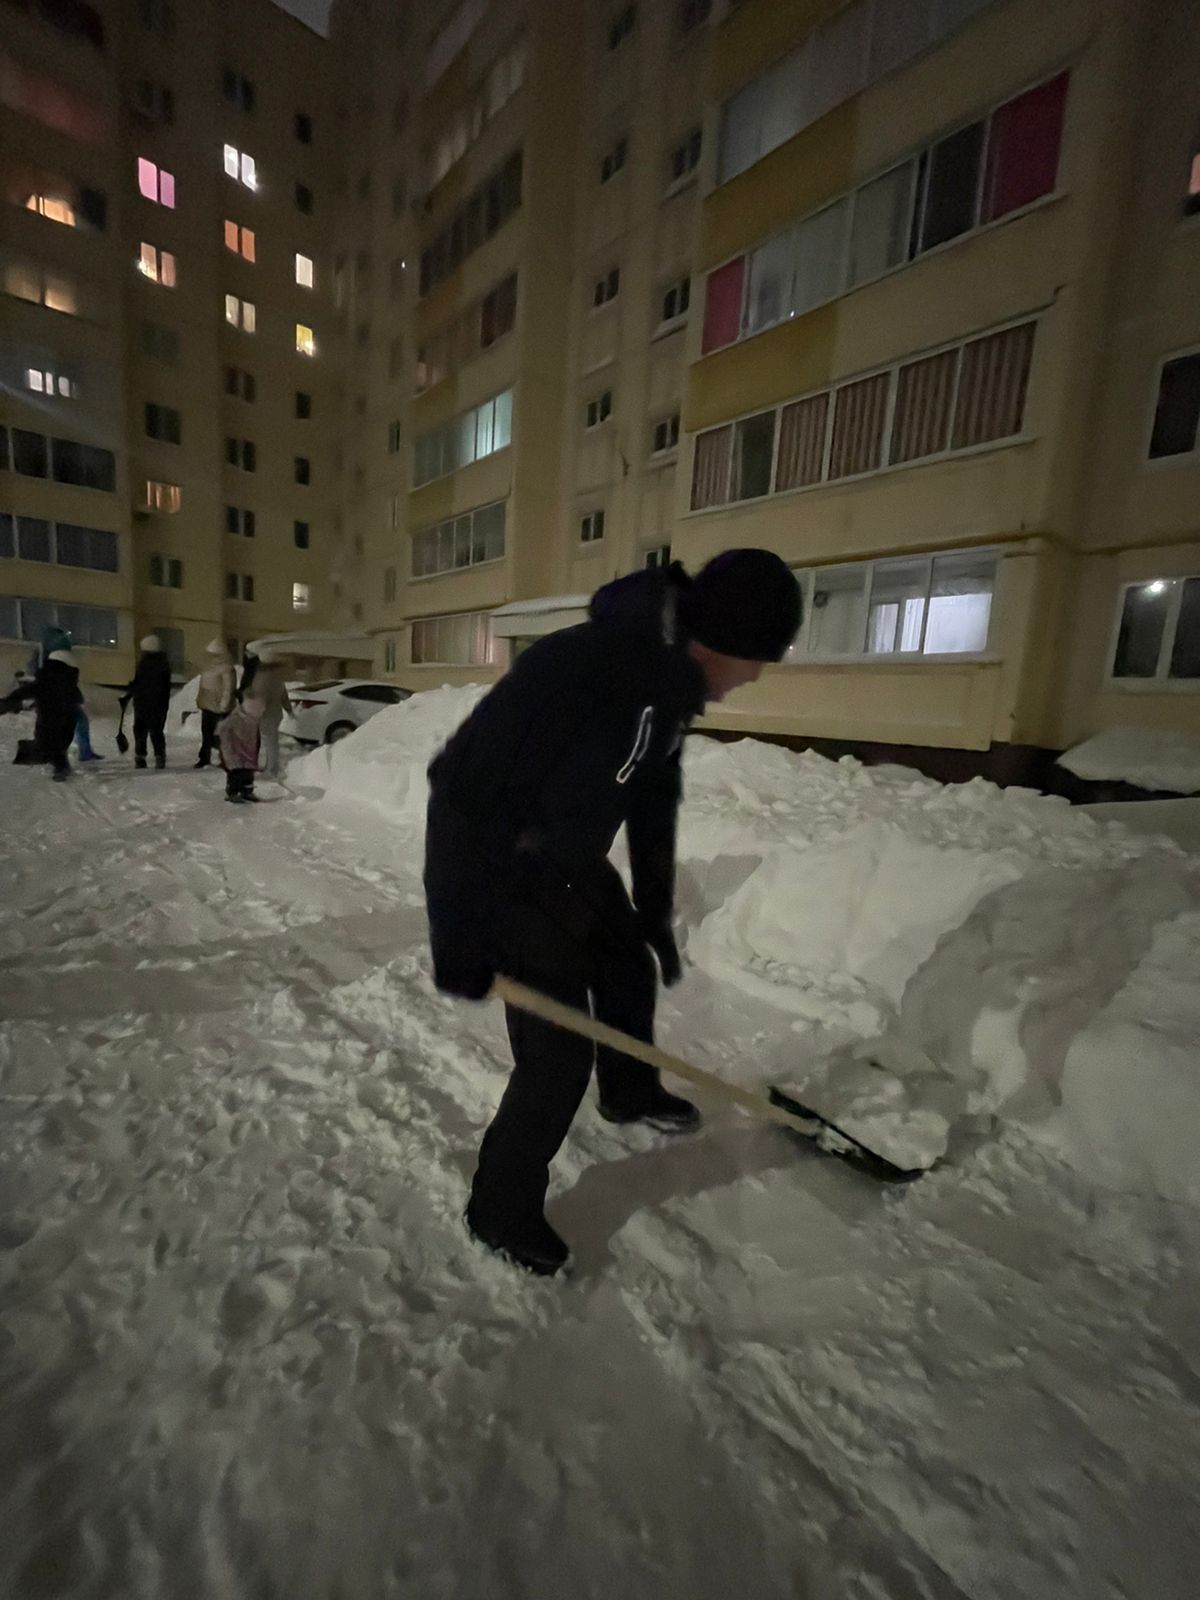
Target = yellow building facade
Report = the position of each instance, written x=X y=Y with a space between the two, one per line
x=170 y=359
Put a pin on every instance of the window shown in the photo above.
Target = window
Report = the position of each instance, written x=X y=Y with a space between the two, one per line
x=389 y=585
x=166 y=572
x=666 y=434
x=1176 y=429
x=591 y=526
x=163 y=423
x=660 y=556
x=913 y=605
x=241 y=385
x=304 y=271
x=237 y=90
x=483 y=214
x=69 y=204
x=157 y=265
x=303 y=125
x=240 y=313
x=621 y=26
x=300 y=597
x=239 y=586
x=685 y=157
x=41 y=287
x=676 y=300
x=969 y=395
x=389 y=655
x=300 y=535
x=30 y=453
x=477 y=433
x=692 y=13
x=607 y=288
x=393 y=438
x=94 y=627
x=303 y=405
x=156 y=183
x=614 y=160
x=154 y=101
x=306 y=344
x=467 y=540
x=240 y=240
x=304 y=198
x=753 y=447
x=84 y=465
x=598 y=410
x=55 y=385
x=462 y=641
x=468 y=123
x=241 y=453
x=497 y=313
x=65 y=544
x=160 y=343
x=1159 y=632
x=240 y=167
x=1191 y=201
x=240 y=522
x=972 y=177
x=165 y=498
x=302 y=469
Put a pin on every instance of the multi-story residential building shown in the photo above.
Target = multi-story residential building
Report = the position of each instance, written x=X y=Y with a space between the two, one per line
x=897 y=288
x=169 y=353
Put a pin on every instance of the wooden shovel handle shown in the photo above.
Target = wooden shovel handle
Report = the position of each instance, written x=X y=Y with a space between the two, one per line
x=587 y=1027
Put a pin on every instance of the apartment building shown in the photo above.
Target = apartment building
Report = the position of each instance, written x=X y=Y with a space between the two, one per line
x=169 y=351
x=945 y=362
x=517 y=264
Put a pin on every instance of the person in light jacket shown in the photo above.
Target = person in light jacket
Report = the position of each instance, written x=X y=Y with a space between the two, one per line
x=270 y=686
x=239 y=741
x=214 y=696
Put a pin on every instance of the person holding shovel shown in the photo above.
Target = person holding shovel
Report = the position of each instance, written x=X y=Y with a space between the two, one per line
x=582 y=736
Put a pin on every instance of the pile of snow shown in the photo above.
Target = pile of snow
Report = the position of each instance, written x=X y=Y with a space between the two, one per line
x=383 y=763
x=1146 y=757
x=951 y=956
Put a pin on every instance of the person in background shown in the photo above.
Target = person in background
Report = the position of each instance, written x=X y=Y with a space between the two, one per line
x=249 y=668
x=57 y=696
x=214 y=696
x=56 y=638
x=270 y=686
x=239 y=740
x=150 y=689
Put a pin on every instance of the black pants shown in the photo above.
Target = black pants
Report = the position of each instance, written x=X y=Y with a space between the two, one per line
x=150 y=727
x=580 y=944
x=239 y=781
x=210 y=721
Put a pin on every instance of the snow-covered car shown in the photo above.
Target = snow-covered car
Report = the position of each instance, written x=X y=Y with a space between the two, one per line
x=323 y=713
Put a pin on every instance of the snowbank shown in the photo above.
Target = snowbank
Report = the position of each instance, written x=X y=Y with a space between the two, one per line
x=952 y=954
x=1145 y=757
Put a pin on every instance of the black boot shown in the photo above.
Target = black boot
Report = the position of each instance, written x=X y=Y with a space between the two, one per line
x=669 y=1112
x=139 y=762
x=530 y=1243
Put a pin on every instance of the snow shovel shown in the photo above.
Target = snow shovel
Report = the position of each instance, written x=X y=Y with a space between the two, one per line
x=122 y=741
x=778 y=1107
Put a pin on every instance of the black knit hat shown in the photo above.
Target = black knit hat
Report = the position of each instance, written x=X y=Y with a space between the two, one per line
x=743 y=603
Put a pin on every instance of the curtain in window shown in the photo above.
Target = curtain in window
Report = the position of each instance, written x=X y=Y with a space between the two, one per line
x=991 y=387
x=858 y=417
x=802 y=442
x=924 y=395
x=710 y=468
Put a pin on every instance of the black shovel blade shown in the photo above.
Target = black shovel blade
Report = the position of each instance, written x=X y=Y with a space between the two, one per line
x=123 y=744
x=835 y=1141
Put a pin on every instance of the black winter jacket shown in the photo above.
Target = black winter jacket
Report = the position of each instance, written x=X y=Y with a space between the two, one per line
x=57 y=696
x=150 y=686
x=583 y=735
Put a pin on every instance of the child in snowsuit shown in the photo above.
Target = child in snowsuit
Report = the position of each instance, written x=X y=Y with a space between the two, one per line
x=238 y=736
x=150 y=688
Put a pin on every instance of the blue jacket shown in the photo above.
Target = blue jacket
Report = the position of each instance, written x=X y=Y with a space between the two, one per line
x=582 y=736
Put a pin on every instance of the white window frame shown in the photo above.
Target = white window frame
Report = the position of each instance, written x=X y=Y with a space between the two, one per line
x=671 y=449
x=472 y=565
x=598 y=401
x=588 y=520
x=1162 y=682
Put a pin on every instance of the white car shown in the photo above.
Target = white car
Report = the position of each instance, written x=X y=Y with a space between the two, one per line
x=323 y=713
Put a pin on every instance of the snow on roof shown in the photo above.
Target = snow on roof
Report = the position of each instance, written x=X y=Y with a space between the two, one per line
x=330 y=645
x=551 y=602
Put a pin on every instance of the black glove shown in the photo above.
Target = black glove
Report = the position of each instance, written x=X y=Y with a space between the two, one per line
x=469 y=980
x=662 y=941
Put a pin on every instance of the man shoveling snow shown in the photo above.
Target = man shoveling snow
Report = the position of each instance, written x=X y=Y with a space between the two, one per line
x=583 y=736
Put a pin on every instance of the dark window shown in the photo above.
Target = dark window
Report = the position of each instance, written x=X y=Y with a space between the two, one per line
x=303 y=405
x=952 y=186
x=249 y=455
x=33 y=539
x=31 y=456
x=1185 y=652
x=8 y=538
x=1140 y=637
x=237 y=90
x=685 y=157
x=232 y=520
x=163 y=423
x=498 y=312
x=247 y=586
x=304 y=198
x=248 y=524
x=304 y=127
x=84 y=465
x=692 y=13
x=753 y=447
x=86 y=547
x=1191 y=200
x=231 y=380
x=92 y=207
x=300 y=535
x=303 y=472
x=1177 y=414
x=231 y=452
x=231 y=586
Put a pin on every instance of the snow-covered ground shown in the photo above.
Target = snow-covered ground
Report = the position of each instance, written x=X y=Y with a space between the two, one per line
x=247 y=1349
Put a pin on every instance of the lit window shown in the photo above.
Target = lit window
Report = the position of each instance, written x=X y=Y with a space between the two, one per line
x=159 y=496
x=240 y=166
x=306 y=344
x=53 y=209
x=240 y=240
x=240 y=313
x=300 y=597
x=157 y=265
x=304 y=271
x=156 y=183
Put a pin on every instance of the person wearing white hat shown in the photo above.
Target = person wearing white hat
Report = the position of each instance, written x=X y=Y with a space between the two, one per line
x=150 y=689
x=214 y=696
